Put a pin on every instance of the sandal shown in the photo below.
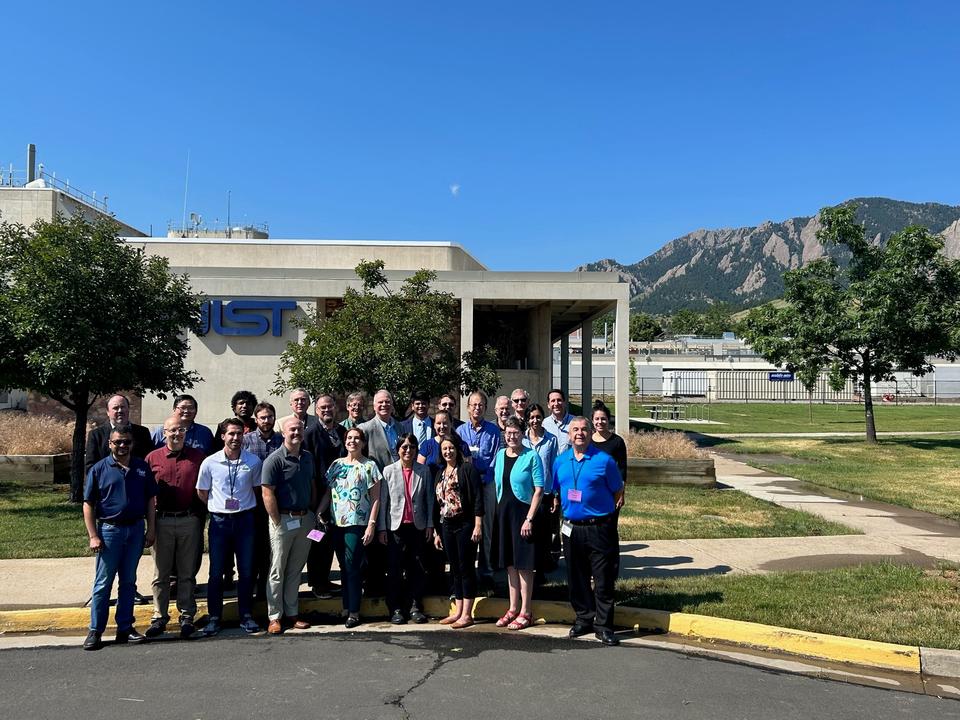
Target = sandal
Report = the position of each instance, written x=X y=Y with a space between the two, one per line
x=523 y=621
x=508 y=618
x=449 y=620
x=463 y=623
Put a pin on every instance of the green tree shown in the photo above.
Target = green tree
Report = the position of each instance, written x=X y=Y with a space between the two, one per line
x=686 y=322
x=634 y=382
x=83 y=314
x=718 y=319
x=644 y=327
x=891 y=308
x=404 y=341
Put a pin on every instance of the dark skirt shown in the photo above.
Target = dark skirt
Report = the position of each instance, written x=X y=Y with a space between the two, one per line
x=512 y=548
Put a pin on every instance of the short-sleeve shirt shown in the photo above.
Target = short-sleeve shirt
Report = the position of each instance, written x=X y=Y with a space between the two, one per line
x=198 y=436
x=221 y=477
x=350 y=485
x=290 y=476
x=119 y=494
x=176 y=476
x=595 y=476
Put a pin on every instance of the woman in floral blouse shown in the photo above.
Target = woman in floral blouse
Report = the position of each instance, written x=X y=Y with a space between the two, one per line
x=354 y=494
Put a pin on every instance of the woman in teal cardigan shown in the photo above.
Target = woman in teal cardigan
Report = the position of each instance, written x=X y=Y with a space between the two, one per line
x=518 y=472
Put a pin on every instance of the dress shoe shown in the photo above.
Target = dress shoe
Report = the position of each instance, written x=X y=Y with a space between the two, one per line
x=579 y=629
x=417 y=616
x=129 y=636
x=274 y=628
x=249 y=625
x=212 y=628
x=352 y=621
x=607 y=637
x=397 y=618
x=299 y=624
x=156 y=629
x=139 y=599
x=92 y=641
x=187 y=629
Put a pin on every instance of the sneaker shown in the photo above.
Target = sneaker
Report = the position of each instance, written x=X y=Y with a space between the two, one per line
x=187 y=629
x=212 y=628
x=92 y=641
x=249 y=625
x=156 y=628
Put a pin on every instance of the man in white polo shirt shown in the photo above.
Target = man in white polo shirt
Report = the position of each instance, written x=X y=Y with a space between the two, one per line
x=226 y=483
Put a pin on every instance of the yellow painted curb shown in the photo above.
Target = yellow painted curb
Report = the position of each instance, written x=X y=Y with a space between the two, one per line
x=833 y=648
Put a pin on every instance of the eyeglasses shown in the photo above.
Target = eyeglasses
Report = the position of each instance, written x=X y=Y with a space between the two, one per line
x=512 y=434
x=406 y=448
x=187 y=408
x=175 y=431
x=121 y=443
x=518 y=400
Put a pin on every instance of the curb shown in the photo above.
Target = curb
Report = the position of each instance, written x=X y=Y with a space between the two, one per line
x=701 y=628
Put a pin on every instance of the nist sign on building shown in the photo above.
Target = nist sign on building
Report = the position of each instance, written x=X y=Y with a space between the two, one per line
x=249 y=318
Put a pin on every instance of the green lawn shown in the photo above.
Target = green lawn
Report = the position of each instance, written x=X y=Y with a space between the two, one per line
x=919 y=472
x=662 y=512
x=885 y=602
x=783 y=417
x=40 y=522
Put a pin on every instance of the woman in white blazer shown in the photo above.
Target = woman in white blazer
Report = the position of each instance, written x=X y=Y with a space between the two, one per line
x=406 y=525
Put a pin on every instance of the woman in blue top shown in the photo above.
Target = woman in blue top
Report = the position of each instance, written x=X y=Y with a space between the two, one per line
x=430 y=448
x=354 y=492
x=518 y=473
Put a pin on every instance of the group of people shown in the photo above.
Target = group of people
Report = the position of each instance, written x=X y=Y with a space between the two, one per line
x=396 y=500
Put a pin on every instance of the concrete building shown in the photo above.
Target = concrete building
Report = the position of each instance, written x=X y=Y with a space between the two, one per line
x=255 y=286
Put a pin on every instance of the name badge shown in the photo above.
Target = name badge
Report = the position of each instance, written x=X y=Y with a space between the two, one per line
x=566 y=528
x=315 y=535
x=232 y=504
x=474 y=449
x=293 y=523
x=574 y=495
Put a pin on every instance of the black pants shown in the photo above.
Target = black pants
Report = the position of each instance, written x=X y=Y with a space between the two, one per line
x=319 y=562
x=593 y=551
x=489 y=531
x=462 y=554
x=405 y=568
x=542 y=533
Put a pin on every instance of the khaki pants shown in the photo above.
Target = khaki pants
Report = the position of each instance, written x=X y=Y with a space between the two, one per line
x=288 y=554
x=176 y=549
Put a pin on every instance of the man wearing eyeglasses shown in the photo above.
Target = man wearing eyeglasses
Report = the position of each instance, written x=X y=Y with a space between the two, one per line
x=119 y=515
x=355 y=405
x=448 y=403
x=300 y=405
x=196 y=435
x=180 y=518
x=520 y=399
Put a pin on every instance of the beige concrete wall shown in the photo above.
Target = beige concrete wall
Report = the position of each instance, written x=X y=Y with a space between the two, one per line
x=27 y=205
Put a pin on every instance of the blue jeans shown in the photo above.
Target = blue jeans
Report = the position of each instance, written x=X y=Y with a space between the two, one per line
x=119 y=555
x=229 y=534
x=348 y=542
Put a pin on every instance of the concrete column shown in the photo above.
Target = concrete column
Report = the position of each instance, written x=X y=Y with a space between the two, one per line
x=622 y=366
x=466 y=340
x=586 y=366
x=565 y=364
x=541 y=355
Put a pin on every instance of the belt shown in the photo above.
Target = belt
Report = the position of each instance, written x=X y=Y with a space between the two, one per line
x=294 y=513
x=165 y=514
x=120 y=522
x=598 y=520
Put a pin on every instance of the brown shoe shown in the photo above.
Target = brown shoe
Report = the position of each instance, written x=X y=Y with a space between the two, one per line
x=299 y=624
x=274 y=627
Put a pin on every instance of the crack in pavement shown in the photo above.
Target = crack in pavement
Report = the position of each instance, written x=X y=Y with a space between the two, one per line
x=398 y=700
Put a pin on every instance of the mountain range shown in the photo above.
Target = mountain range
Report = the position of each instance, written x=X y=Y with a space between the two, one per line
x=744 y=266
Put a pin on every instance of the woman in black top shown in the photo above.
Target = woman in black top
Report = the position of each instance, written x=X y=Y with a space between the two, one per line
x=460 y=499
x=608 y=441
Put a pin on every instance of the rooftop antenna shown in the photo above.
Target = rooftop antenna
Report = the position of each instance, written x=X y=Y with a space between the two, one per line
x=229 y=229
x=186 y=184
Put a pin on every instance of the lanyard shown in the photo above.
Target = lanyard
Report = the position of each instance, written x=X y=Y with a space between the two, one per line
x=579 y=469
x=232 y=472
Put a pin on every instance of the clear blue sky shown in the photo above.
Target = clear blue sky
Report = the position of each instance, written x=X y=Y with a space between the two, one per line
x=539 y=135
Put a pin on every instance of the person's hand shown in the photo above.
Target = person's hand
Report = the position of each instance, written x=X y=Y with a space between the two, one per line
x=437 y=542
x=619 y=501
x=526 y=530
x=382 y=537
x=368 y=535
x=96 y=544
x=555 y=505
x=476 y=535
x=428 y=534
x=149 y=539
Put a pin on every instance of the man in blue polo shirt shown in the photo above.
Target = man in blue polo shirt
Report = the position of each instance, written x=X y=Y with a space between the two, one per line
x=118 y=501
x=589 y=485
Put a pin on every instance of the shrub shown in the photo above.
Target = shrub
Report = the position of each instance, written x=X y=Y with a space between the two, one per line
x=663 y=445
x=22 y=434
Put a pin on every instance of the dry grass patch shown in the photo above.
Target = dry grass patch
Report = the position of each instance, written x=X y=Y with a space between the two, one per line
x=22 y=434
x=663 y=445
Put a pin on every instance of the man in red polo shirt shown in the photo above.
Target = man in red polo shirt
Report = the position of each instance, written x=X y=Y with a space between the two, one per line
x=180 y=517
